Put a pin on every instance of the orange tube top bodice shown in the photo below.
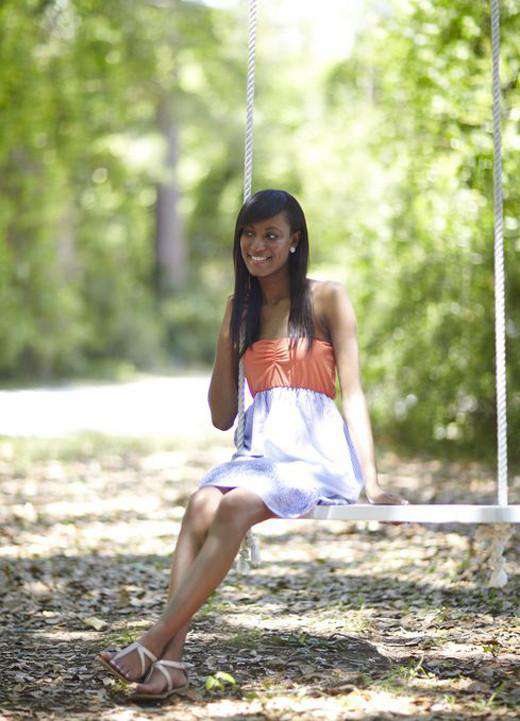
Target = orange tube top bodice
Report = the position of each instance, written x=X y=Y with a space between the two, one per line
x=271 y=362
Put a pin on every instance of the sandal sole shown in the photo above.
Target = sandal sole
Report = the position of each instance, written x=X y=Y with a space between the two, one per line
x=160 y=696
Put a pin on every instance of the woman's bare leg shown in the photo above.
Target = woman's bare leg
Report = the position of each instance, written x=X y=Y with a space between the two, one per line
x=237 y=512
x=195 y=525
x=196 y=521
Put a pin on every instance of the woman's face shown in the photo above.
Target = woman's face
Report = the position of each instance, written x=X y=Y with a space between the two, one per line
x=265 y=245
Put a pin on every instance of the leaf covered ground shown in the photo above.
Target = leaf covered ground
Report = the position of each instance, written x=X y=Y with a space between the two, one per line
x=343 y=620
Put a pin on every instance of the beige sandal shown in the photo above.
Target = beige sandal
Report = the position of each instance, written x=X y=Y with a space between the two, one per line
x=141 y=650
x=170 y=688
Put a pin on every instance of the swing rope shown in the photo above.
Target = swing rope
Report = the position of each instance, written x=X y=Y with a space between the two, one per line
x=498 y=536
x=500 y=345
x=249 y=550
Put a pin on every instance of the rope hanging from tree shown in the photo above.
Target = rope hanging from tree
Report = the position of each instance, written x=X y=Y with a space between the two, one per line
x=249 y=551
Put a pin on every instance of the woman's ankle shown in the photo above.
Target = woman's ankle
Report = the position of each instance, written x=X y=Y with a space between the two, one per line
x=153 y=639
x=173 y=652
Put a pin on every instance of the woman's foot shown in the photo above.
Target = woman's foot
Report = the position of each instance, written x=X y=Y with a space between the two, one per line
x=133 y=662
x=157 y=683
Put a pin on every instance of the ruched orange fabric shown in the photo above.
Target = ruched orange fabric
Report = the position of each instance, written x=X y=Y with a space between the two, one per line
x=271 y=362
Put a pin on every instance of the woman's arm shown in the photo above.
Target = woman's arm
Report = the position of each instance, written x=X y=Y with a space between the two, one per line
x=342 y=324
x=223 y=388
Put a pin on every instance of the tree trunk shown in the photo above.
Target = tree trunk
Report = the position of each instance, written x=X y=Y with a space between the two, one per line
x=170 y=248
x=66 y=242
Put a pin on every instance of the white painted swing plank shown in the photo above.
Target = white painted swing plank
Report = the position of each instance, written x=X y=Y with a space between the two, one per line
x=420 y=513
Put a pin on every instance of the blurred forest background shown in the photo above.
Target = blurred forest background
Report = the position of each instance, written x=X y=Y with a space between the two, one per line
x=121 y=172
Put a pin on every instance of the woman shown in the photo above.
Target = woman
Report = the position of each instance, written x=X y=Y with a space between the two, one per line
x=298 y=449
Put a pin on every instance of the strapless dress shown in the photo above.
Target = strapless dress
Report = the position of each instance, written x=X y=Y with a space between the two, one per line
x=297 y=449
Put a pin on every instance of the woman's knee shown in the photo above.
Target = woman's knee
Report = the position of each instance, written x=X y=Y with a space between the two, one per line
x=239 y=510
x=201 y=509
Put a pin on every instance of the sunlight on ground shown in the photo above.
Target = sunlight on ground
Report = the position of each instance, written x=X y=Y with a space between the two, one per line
x=342 y=620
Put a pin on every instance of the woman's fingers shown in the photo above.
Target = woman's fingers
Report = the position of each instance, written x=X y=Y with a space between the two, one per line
x=390 y=499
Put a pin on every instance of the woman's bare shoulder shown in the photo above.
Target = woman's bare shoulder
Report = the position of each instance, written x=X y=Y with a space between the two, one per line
x=322 y=294
x=319 y=286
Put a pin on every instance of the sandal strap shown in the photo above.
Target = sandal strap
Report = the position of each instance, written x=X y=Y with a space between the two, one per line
x=173 y=664
x=146 y=651
x=169 y=682
x=125 y=651
x=141 y=651
x=149 y=674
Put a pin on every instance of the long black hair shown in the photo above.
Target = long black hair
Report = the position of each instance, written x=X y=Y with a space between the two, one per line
x=247 y=298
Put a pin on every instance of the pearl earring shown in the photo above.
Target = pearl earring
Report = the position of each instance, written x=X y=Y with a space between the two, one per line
x=293 y=250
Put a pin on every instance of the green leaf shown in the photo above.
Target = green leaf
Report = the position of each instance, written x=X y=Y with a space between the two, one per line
x=212 y=683
x=226 y=677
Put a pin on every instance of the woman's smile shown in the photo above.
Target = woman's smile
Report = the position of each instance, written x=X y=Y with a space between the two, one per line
x=259 y=259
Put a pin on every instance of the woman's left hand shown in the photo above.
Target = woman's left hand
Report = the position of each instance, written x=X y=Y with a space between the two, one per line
x=378 y=495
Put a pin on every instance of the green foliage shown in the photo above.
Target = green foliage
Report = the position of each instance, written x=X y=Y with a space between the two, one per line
x=218 y=681
x=421 y=75
x=389 y=151
x=81 y=157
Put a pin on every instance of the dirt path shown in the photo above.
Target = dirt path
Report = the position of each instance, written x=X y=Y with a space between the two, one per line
x=344 y=620
x=167 y=406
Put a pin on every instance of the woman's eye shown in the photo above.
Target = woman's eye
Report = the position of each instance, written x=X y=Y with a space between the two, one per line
x=270 y=235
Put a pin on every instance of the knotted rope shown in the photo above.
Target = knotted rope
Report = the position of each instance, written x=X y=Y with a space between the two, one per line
x=249 y=552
